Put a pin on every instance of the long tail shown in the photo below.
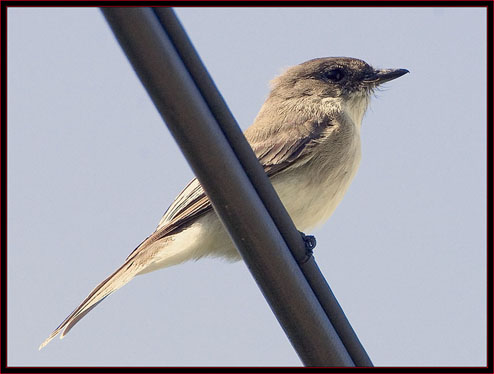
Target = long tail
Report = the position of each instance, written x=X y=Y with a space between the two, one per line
x=119 y=278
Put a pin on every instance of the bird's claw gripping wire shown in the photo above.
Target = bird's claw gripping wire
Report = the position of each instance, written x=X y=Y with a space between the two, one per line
x=310 y=243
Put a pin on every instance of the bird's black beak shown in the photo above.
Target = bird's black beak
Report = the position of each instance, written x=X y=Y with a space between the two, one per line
x=381 y=76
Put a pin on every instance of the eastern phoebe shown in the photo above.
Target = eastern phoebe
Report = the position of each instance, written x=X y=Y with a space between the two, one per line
x=306 y=136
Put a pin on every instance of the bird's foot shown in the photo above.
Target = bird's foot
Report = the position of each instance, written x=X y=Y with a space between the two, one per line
x=310 y=243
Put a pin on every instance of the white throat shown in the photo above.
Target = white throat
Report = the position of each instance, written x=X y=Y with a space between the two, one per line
x=355 y=108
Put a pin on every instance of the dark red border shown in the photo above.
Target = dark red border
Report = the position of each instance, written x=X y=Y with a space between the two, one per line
x=349 y=3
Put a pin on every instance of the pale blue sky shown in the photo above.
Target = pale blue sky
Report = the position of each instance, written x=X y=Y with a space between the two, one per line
x=91 y=169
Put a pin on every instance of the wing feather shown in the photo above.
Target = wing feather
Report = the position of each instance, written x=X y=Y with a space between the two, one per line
x=275 y=156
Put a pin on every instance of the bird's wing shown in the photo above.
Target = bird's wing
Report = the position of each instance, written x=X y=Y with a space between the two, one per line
x=275 y=156
x=291 y=147
x=191 y=203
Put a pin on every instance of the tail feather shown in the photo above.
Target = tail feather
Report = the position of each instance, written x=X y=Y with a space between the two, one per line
x=119 y=278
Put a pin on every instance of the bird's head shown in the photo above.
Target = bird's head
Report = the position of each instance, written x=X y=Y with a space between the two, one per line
x=332 y=77
x=330 y=85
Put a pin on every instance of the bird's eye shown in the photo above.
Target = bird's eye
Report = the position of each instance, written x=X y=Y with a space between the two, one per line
x=335 y=75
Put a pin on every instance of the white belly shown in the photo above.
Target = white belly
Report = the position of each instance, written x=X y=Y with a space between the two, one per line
x=311 y=201
x=310 y=194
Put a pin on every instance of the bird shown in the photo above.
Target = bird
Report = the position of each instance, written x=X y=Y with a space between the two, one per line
x=307 y=138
